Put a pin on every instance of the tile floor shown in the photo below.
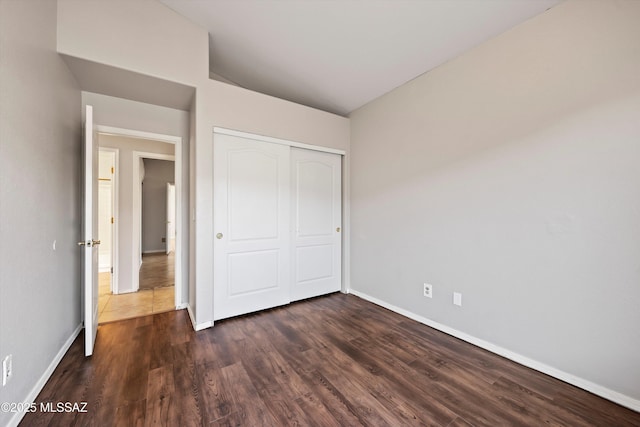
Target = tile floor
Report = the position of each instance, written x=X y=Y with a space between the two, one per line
x=136 y=304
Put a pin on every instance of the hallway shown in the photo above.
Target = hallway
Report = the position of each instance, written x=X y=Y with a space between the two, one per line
x=156 y=294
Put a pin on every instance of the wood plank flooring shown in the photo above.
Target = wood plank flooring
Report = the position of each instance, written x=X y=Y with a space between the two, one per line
x=329 y=361
x=157 y=270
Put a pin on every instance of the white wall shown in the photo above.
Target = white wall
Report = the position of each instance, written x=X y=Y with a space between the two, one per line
x=510 y=174
x=142 y=36
x=127 y=114
x=157 y=173
x=126 y=147
x=40 y=201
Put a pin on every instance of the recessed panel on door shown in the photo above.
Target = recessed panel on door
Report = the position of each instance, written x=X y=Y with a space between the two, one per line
x=315 y=262
x=255 y=189
x=315 y=188
x=251 y=225
x=316 y=211
x=252 y=272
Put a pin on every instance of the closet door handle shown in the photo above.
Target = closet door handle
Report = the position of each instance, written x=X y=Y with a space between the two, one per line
x=219 y=236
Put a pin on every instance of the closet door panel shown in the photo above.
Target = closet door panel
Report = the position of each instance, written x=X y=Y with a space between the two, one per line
x=314 y=262
x=254 y=188
x=251 y=225
x=316 y=211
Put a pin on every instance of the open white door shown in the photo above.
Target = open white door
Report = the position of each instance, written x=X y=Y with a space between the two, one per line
x=171 y=218
x=251 y=221
x=317 y=214
x=90 y=233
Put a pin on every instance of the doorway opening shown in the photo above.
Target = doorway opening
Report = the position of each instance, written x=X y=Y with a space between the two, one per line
x=157 y=230
x=145 y=272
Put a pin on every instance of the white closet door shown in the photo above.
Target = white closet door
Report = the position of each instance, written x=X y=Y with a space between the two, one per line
x=316 y=212
x=251 y=225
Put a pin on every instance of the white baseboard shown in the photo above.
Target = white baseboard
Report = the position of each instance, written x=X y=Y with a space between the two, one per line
x=596 y=389
x=197 y=326
x=191 y=316
x=37 y=388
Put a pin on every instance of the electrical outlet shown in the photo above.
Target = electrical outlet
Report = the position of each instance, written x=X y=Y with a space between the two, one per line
x=457 y=299
x=7 y=369
x=164 y=240
x=427 y=290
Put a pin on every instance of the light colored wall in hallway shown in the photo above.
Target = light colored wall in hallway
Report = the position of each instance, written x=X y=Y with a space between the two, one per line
x=40 y=199
x=510 y=174
x=125 y=197
x=157 y=173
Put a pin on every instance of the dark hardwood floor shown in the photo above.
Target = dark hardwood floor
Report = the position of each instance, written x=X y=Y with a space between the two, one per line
x=329 y=361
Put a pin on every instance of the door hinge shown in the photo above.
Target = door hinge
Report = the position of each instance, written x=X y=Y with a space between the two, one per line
x=112 y=220
x=113 y=170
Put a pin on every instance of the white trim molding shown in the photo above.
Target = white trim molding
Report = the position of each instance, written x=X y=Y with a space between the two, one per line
x=596 y=389
x=273 y=140
x=197 y=326
x=110 y=130
x=42 y=381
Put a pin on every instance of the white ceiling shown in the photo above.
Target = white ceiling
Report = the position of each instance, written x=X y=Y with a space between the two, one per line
x=337 y=55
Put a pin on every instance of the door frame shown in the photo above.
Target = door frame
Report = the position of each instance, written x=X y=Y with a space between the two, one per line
x=114 y=213
x=280 y=141
x=137 y=218
x=180 y=201
x=137 y=211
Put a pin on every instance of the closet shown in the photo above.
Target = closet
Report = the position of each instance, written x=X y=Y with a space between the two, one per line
x=277 y=223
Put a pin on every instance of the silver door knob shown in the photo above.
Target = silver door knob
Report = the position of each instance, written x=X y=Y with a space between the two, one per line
x=95 y=242
x=338 y=229
x=81 y=243
x=219 y=236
